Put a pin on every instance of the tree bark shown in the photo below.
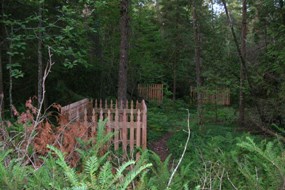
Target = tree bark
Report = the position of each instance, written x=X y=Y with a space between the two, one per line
x=40 y=56
x=124 y=28
x=1 y=68
x=174 y=82
x=246 y=73
x=243 y=62
x=10 y=77
x=281 y=3
x=1 y=88
x=197 y=42
x=243 y=53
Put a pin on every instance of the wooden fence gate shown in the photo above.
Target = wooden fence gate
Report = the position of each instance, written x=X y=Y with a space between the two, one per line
x=129 y=124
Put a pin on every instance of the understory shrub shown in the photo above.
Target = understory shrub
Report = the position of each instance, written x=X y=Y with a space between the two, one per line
x=219 y=114
x=261 y=164
x=96 y=171
x=230 y=160
x=217 y=157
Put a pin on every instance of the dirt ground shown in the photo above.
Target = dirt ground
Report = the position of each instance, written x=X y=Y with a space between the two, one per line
x=160 y=146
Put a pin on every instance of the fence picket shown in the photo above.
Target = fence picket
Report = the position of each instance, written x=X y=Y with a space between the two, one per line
x=132 y=128
x=93 y=122
x=144 y=125
x=116 y=126
x=124 y=131
x=138 y=129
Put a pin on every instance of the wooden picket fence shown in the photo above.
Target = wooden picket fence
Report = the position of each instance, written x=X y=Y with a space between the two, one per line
x=151 y=92
x=73 y=111
x=129 y=124
x=219 y=96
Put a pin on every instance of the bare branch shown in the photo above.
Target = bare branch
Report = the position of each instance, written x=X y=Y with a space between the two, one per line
x=38 y=118
x=184 y=151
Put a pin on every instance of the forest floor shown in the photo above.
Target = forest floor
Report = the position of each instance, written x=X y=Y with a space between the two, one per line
x=160 y=146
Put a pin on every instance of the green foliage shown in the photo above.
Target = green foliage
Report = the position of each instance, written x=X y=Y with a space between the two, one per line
x=13 y=175
x=219 y=114
x=262 y=164
x=97 y=174
x=165 y=118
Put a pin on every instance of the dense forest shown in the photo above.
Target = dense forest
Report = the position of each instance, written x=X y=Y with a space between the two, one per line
x=62 y=51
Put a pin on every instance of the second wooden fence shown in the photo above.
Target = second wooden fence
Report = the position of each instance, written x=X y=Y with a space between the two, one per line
x=219 y=96
x=151 y=92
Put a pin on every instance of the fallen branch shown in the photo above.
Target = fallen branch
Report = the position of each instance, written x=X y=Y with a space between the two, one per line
x=269 y=132
x=184 y=151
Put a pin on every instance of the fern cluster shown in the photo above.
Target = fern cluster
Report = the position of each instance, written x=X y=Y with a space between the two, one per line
x=231 y=161
x=262 y=164
x=96 y=170
x=98 y=173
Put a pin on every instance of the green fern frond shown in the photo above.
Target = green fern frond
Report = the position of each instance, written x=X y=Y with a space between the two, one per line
x=68 y=171
x=91 y=166
x=105 y=175
x=186 y=186
x=104 y=157
x=132 y=175
x=4 y=154
x=56 y=151
x=120 y=171
x=142 y=184
x=83 y=187
x=123 y=168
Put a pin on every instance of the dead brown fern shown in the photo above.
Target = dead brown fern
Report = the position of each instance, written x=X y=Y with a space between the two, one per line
x=64 y=137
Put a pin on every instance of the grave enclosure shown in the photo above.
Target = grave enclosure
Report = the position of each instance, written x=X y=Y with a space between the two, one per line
x=219 y=96
x=152 y=92
x=129 y=124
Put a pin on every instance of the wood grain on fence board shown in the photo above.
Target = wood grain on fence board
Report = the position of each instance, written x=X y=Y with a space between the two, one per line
x=151 y=92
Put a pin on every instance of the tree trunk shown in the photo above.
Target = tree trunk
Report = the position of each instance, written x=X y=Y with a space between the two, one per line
x=174 y=82
x=1 y=68
x=243 y=53
x=197 y=42
x=1 y=88
x=124 y=28
x=246 y=73
x=10 y=77
x=281 y=3
x=40 y=56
